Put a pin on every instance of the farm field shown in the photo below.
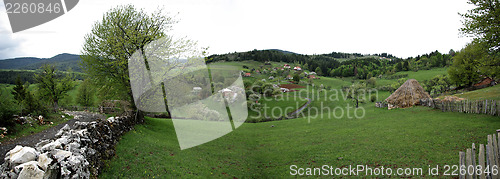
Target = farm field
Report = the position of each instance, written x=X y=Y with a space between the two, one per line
x=400 y=138
x=485 y=93
x=414 y=137
x=419 y=75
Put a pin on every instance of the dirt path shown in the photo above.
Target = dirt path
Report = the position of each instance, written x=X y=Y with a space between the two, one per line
x=32 y=140
x=301 y=108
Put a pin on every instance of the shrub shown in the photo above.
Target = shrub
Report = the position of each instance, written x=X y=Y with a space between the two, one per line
x=372 y=82
x=7 y=110
x=373 y=98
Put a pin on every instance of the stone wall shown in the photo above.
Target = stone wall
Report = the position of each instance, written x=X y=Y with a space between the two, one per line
x=73 y=153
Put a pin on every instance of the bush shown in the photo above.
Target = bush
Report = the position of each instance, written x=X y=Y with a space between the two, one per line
x=372 y=82
x=373 y=98
x=7 y=110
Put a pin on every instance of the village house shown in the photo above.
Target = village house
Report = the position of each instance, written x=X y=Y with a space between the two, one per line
x=312 y=77
x=486 y=82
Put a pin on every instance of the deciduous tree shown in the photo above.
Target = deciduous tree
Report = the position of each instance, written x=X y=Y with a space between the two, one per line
x=112 y=41
x=53 y=86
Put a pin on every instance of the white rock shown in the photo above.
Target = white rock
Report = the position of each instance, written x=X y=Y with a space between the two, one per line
x=42 y=143
x=64 y=171
x=65 y=128
x=81 y=132
x=24 y=155
x=75 y=161
x=31 y=171
x=44 y=160
x=14 y=150
x=63 y=140
x=111 y=119
x=18 y=168
x=61 y=154
x=51 y=146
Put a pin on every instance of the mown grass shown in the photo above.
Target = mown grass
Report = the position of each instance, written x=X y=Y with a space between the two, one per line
x=420 y=75
x=398 y=138
x=492 y=93
x=414 y=137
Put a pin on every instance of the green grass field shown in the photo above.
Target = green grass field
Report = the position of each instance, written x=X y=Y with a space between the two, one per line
x=420 y=75
x=400 y=138
x=414 y=137
x=485 y=93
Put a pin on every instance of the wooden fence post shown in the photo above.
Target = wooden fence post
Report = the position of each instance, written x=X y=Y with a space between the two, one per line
x=468 y=161
x=495 y=154
x=490 y=155
x=481 y=161
x=462 y=163
x=474 y=158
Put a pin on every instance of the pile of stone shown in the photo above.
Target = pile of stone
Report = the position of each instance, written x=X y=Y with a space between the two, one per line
x=73 y=153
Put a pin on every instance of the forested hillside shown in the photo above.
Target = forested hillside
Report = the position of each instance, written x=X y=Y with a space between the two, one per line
x=62 y=62
x=337 y=64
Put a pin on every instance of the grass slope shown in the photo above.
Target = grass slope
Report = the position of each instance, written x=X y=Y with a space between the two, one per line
x=485 y=93
x=414 y=137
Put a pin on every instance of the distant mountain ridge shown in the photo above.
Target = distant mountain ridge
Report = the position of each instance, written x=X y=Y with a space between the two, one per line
x=283 y=51
x=61 y=62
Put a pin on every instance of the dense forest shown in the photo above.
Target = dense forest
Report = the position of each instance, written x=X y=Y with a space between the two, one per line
x=10 y=76
x=337 y=64
x=61 y=62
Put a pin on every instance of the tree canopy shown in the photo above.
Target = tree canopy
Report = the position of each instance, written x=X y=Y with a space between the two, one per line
x=483 y=22
x=112 y=41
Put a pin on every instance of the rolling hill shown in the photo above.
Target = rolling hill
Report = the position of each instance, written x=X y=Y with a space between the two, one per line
x=62 y=62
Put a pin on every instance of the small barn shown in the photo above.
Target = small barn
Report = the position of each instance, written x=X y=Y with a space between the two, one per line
x=407 y=95
x=486 y=82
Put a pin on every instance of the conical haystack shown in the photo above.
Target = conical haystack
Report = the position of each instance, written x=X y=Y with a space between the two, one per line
x=407 y=95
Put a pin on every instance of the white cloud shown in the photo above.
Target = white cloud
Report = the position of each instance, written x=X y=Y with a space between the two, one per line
x=10 y=44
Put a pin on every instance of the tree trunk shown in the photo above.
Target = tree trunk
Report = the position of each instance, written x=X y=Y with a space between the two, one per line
x=56 y=105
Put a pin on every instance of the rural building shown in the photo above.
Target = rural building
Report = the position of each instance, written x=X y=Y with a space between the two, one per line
x=284 y=90
x=286 y=66
x=289 y=77
x=407 y=95
x=486 y=82
x=247 y=75
x=297 y=68
x=312 y=77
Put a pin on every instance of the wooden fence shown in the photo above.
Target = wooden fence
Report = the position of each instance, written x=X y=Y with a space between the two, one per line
x=486 y=165
x=491 y=107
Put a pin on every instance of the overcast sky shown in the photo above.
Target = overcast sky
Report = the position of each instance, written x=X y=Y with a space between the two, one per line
x=401 y=27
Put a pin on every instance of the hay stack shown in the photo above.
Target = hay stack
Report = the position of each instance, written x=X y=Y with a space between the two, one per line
x=407 y=95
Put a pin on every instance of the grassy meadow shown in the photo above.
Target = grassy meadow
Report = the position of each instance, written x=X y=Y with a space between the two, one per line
x=414 y=137
x=400 y=138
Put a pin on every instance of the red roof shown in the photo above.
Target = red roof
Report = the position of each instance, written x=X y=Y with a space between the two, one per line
x=485 y=82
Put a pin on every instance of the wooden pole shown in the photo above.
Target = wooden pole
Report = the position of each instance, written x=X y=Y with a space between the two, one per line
x=462 y=163
x=481 y=161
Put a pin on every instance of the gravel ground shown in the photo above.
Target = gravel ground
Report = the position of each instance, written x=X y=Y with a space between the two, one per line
x=33 y=139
